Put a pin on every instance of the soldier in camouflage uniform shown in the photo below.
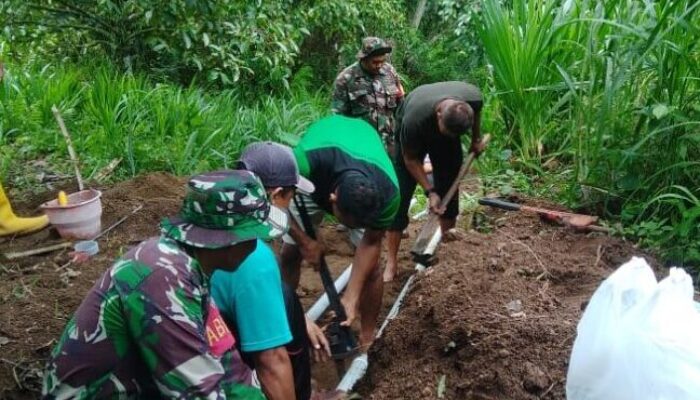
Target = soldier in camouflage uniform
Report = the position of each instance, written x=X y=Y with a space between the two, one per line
x=370 y=89
x=148 y=328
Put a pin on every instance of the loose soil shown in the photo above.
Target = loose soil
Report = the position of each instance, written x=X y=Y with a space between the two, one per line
x=454 y=324
x=496 y=319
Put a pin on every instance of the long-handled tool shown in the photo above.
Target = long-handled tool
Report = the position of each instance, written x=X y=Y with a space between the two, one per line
x=576 y=221
x=69 y=143
x=433 y=222
x=340 y=338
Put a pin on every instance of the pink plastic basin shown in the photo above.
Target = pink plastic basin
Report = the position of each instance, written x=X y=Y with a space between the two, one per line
x=81 y=218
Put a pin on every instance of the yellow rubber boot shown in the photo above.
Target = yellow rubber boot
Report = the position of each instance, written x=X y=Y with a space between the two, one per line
x=12 y=225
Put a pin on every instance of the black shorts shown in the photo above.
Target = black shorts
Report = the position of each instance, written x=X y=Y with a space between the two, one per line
x=446 y=157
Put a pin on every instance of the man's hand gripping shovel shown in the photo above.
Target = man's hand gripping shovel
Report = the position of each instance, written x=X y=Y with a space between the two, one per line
x=342 y=342
x=424 y=237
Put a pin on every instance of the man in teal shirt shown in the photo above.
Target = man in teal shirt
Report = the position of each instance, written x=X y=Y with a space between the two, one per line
x=268 y=318
x=251 y=302
x=249 y=293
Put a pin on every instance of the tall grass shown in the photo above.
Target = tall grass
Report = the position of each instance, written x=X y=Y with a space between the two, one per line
x=613 y=89
x=150 y=126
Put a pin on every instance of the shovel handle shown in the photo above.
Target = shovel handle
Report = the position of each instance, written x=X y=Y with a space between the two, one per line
x=498 y=203
x=462 y=172
x=323 y=270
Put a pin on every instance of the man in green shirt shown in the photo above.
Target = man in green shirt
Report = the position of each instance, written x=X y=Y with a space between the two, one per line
x=355 y=181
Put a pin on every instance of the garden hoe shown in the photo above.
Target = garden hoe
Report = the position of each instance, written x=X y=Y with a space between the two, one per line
x=433 y=223
x=579 y=222
x=343 y=344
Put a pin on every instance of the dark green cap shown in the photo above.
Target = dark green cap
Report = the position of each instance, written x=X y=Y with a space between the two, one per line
x=223 y=208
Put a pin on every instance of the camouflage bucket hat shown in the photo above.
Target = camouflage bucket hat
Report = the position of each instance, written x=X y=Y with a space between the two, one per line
x=373 y=46
x=223 y=208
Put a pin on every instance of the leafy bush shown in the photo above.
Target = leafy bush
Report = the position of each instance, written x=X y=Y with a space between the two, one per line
x=223 y=42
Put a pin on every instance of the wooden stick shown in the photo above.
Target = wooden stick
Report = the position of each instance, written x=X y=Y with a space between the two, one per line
x=42 y=250
x=106 y=171
x=71 y=150
x=116 y=224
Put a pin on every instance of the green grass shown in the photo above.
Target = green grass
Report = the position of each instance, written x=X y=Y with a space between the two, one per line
x=150 y=126
x=610 y=92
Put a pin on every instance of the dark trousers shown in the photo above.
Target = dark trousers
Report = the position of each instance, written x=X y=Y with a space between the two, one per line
x=446 y=156
x=298 y=348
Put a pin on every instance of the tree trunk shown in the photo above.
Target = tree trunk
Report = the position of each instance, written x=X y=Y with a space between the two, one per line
x=420 y=10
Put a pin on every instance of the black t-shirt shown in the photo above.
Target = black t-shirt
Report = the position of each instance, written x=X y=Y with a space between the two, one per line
x=417 y=127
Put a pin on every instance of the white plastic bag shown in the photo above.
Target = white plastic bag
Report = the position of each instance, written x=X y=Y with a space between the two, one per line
x=638 y=340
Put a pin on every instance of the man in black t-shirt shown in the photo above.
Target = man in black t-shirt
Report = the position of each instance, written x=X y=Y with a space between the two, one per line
x=430 y=121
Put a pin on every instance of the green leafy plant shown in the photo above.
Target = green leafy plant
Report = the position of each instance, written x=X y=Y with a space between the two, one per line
x=150 y=126
x=609 y=91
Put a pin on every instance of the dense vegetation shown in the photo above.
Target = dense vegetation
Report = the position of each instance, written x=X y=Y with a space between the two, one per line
x=592 y=103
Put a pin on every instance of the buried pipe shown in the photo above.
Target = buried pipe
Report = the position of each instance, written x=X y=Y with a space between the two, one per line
x=359 y=364
x=320 y=306
x=357 y=370
x=420 y=214
x=394 y=311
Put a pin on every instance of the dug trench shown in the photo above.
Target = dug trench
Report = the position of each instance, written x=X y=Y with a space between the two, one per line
x=495 y=318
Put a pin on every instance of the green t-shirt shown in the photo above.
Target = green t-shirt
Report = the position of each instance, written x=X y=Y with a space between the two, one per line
x=337 y=144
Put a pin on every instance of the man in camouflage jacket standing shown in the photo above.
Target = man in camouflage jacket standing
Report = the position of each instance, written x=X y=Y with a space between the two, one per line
x=370 y=89
x=149 y=328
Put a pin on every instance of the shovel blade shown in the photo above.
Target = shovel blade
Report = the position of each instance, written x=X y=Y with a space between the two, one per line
x=580 y=221
x=425 y=236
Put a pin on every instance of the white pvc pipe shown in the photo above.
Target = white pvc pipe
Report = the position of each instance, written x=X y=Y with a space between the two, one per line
x=412 y=203
x=420 y=214
x=357 y=370
x=322 y=303
x=359 y=365
x=397 y=305
x=429 y=249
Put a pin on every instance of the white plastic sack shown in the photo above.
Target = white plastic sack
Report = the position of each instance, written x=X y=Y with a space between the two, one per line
x=638 y=340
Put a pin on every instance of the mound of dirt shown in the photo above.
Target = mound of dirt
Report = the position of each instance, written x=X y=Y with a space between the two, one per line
x=159 y=193
x=38 y=294
x=496 y=319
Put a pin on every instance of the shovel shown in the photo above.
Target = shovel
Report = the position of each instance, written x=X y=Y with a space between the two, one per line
x=577 y=221
x=433 y=222
x=343 y=344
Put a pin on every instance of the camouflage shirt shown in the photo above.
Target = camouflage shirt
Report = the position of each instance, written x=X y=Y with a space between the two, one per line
x=358 y=94
x=147 y=329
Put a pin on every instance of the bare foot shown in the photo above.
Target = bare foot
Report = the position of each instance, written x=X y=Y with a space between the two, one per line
x=452 y=235
x=389 y=273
